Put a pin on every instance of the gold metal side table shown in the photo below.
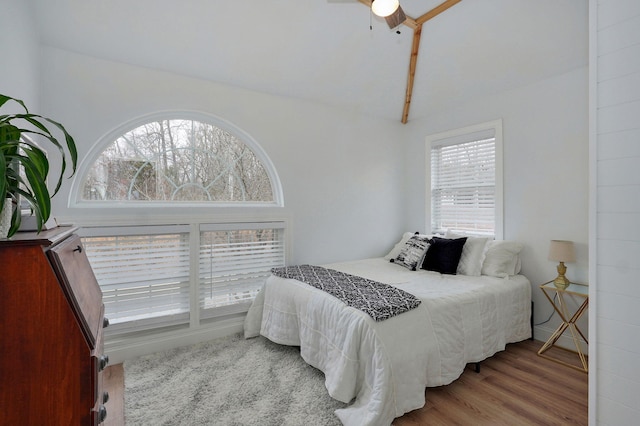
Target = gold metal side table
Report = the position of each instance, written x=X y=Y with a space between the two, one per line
x=568 y=320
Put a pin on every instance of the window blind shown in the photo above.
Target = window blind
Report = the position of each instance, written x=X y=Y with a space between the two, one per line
x=143 y=273
x=463 y=185
x=234 y=261
x=149 y=274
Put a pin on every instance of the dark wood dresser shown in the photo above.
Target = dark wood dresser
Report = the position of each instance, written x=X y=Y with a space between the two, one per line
x=51 y=322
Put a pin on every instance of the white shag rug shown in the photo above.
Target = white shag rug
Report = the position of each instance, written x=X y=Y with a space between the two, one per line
x=227 y=382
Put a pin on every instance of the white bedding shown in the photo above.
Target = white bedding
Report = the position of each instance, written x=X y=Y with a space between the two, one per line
x=384 y=367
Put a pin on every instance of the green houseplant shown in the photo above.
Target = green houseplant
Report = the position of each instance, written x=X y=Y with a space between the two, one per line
x=24 y=166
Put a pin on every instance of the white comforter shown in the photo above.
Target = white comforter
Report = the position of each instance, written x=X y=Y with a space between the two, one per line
x=385 y=366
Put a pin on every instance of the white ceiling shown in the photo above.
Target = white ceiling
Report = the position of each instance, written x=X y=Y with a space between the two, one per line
x=323 y=50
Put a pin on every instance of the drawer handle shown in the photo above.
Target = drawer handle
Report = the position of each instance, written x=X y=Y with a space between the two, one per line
x=102 y=413
x=78 y=249
x=105 y=322
x=103 y=362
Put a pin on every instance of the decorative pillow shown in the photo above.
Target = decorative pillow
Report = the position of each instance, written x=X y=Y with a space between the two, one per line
x=413 y=252
x=502 y=259
x=444 y=255
x=395 y=251
x=472 y=256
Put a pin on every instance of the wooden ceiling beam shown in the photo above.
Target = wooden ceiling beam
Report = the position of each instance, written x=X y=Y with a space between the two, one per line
x=413 y=61
x=436 y=11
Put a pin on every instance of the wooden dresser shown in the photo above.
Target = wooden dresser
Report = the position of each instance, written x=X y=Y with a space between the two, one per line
x=51 y=322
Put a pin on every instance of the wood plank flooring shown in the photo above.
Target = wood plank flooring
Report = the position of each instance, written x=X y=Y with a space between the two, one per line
x=514 y=387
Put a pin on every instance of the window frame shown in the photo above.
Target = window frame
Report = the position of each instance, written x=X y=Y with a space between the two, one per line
x=75 y=194
x=100 y=263
x=195 y=316
x=98 y=216
x=462 y=135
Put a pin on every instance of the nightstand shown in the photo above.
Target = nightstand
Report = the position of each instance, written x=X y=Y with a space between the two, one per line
x=557 y=298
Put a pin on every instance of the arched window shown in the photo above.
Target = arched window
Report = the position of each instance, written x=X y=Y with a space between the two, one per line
x=188 y=158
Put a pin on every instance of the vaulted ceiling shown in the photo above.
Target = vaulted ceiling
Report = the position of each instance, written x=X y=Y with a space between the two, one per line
x=325 y=51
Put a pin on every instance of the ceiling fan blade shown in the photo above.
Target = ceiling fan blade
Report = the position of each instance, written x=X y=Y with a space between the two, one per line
x=396 y=18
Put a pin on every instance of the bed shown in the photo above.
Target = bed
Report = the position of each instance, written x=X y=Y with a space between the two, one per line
x=381 y=368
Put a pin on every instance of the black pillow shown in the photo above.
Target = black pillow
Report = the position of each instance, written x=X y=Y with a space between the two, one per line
x=444 y=255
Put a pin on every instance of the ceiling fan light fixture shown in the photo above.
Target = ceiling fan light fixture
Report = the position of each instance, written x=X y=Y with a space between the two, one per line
x=384 y=8
x=396 y=18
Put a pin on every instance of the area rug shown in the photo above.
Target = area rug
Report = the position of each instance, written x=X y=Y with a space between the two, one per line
x=227 y=382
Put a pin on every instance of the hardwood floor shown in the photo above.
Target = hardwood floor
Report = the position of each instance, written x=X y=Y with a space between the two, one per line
x=514 y=387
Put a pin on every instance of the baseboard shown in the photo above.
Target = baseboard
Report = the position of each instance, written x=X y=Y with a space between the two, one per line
x=542 y=334
x=128 y=348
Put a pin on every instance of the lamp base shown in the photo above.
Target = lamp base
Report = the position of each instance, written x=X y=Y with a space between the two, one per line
x=561 y=281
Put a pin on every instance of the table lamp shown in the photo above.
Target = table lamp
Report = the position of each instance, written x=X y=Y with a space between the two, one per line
x=561 y=251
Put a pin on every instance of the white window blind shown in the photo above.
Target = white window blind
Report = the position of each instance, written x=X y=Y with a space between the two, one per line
x=143 y=273
x=234 y=261
x=463 y=184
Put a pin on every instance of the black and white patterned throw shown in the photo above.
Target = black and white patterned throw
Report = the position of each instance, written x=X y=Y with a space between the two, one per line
x=380 y=301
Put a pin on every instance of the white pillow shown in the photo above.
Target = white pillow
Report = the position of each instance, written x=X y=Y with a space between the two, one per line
x=473 y=254
x=502 y=259
x=395 y=251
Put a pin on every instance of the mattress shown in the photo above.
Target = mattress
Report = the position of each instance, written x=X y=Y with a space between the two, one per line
x=381 y=369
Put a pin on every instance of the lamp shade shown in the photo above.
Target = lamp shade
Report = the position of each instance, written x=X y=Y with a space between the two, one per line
x=384 y=8
x=562 y=251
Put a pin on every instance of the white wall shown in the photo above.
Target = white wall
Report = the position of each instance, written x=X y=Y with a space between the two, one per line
x=342 y=174
x=545 y=133
x=20 y=49
x=615 y=110
x=352 y=185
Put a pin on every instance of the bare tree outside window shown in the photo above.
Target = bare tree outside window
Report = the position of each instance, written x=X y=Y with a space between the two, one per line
x=180 y=161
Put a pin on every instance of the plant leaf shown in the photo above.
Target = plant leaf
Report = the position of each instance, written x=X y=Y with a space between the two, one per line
x=3 y=181
x=33 y=119
x=16 y=219
x=71 y=143
x=38 y=186
x=9 y=132
x=39 y=160
x=4 y=99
